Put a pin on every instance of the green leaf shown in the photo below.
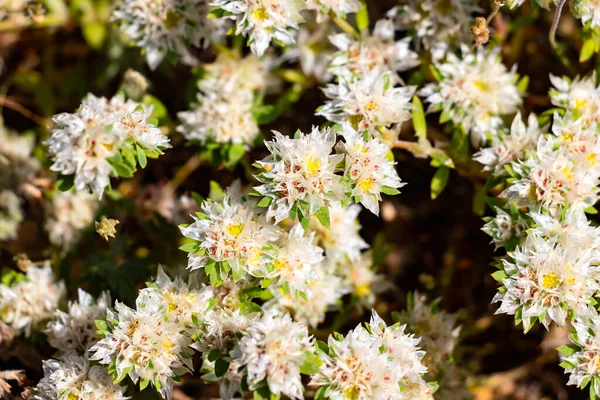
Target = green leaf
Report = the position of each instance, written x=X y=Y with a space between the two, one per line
x=235 y=154
x=216 y=192
x=266 y=114
x=120 y=166
x=439 y=181
x=141 y=156
x=389 y=190
x=195 y=319
x=102 y=327
x=213 y=355
x=322 y=215
x=591 y=210
x=523 y=84
x=64 y=183
x=248 y=307
x=265 y=202
x=94 y=34
x=311 y=364
x=499 y=275
x=143 y=384
x=568 y=349
x=221 y=367
x=124 y=374
x=191 y=247
x=587 y=50
x=418 y=117
x=362 y=18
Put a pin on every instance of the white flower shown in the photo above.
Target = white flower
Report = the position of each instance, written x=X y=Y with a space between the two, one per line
x=583 y=365
x=274 y=349
x=580 y=97
x=436 y=21
x=175 y=300
x=379 y=49
x=231 y=232
x=76 y=329
x=368 y=168
x=145 y=345
x=368 y=102
x=361 y=278
x=475 y=91
x=11 y=214
x=72 y=377
x=548 y=281
x=221 y=330
x=168 y=26
x=588 y=11
x=553 y=177
x=323 y=295
x=221 y=119
x=300 y=169
x=297 y=257
x=514 y=146
x=341 y=241
x=263 y=20
x=29 y=303
x=81 y=143
x=338 y=7
x=504 y=227
x=67 y=215
x=377 y=362
x=17 y=163
x=437 y=330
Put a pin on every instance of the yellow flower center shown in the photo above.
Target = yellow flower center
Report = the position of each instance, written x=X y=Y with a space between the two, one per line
x=580 y=103
x=260 y=14
x=484 y=87
x=366 y=185
x=371 y=106
x=362 y=290
x=550 y=280
x=172 y=20
x=235 y=230
x=281 y=264
x=351 y=393
x=313 y=165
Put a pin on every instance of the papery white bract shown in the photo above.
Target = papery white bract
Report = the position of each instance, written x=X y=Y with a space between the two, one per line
x=274 y=349
x=72 y=377
x=475 y=91
x=29 y=303
x=67 y=215
x=300 y=169
x=76 y=330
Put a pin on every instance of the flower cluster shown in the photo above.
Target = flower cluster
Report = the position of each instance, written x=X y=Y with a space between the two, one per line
x=28 y=302
x=225 y=104
x=103 y=138
x=474 y=92
x=68 y=214
x=168 y=27
x=72 y=377
x=373 y=362
x=11 y=214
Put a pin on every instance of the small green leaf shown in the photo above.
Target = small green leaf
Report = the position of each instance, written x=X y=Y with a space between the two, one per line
x=141 y=156
x=213 y=355
x=235 y=154
x=389 y=190
x=499 y=275
x=523 y=84
x=94 y=34
x=265 y=202
x=221 y=367
x=144 y=384
x=64 y=183
x=322 y=215
x=568 y=349
x=266 y=114
x=191 y=247
x=587 y=50
x=439 y=181
x=362 y=18
x=418 y=117
x=311 y=364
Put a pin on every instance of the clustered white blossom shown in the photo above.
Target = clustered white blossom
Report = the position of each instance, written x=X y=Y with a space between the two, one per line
x=223 y=112
x=18 y=166
x=102 y=139
x=75 y=329
x=166 y=27
x=474 y=91
x=436 y=23
x=67 y=215
x=30 y=301
x=71 y=376
x=373 y=362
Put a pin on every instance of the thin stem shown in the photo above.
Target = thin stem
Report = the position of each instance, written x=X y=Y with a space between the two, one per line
x=182 y=173
x=493 y=14
x=555 y=21
x=346 y=27
x=5 y=101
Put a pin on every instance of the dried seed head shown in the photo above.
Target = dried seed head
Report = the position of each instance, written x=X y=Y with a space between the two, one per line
x=480 y=31
x=106 y=227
